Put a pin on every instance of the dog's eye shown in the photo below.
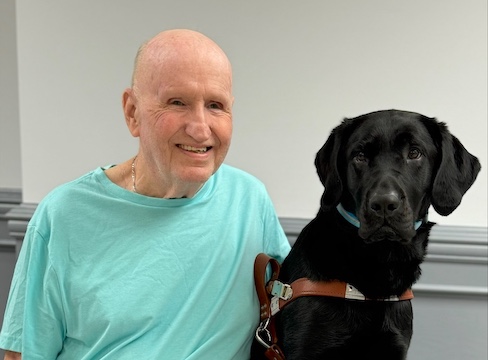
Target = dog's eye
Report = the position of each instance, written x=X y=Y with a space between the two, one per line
x=414 y=154
x=360 y=156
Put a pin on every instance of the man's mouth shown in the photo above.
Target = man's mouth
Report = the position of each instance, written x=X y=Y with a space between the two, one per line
x=197 y=150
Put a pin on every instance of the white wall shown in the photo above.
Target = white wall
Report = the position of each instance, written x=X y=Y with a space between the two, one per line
x=10 y=175
x=300 y=67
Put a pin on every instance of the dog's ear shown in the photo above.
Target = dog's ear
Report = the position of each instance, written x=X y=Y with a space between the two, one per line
x=326 y=163
x=456 y=173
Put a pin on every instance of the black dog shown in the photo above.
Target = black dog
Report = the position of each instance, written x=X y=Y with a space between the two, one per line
x=381 y=172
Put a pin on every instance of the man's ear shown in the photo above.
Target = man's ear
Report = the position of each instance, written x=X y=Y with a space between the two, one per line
x=129 y=104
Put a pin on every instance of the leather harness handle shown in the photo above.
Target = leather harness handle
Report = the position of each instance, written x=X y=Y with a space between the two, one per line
x=273 y=352
x=260 y=266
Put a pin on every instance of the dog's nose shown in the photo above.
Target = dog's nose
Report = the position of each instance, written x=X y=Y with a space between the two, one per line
x=384 y=204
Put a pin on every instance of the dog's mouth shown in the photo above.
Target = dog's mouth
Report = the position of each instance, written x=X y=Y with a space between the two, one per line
x=373 y=228
x=386 y=232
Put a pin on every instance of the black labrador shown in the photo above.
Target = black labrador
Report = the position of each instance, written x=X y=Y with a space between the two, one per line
x=381 y=172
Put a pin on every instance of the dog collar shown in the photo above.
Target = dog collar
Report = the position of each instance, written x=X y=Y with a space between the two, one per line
x=353 y=219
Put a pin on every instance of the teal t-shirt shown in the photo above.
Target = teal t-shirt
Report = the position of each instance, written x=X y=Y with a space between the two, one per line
x=105 y=273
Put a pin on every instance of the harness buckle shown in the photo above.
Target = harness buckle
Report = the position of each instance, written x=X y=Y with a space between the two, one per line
x=353 y=293
x=274 y=305
x=263 y=330
x=283 y=291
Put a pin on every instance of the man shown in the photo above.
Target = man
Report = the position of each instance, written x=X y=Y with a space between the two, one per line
x=152 y=258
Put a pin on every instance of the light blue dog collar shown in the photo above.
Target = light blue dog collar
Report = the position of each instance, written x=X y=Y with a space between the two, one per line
x=352 y=218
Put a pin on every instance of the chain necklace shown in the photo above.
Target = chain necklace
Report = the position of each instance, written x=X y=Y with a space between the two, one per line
x=133 y=174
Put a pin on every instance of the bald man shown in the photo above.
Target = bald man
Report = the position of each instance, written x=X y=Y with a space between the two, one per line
x=151 y=258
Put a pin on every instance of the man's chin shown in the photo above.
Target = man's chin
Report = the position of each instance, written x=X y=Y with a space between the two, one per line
x=196 y=175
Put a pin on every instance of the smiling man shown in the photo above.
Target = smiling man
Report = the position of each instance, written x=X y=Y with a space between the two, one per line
x=152 y=258
x=180 y=106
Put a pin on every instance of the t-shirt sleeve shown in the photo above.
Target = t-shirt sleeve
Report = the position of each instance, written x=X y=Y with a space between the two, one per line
x=33 y=322
x=276 y=242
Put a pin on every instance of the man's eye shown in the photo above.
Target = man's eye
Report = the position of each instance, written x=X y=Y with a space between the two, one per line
x=215 y=105
x=414 y=154
x=177 y=102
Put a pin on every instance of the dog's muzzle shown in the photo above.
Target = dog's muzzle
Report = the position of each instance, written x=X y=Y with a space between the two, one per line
x=354 y=220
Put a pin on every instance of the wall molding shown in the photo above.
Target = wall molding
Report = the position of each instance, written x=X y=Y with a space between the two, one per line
x=10 y=196
x=446 y=242
x=9 y=199
x=18 y=218
x=448 y=245
x=451 y=290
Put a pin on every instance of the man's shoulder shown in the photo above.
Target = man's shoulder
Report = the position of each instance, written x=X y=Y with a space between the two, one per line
x=238 y=182
x=229 y=171
x=66 y=189
x=69 y=194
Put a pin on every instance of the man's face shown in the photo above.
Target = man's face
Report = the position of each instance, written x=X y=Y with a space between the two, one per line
x=183 y=112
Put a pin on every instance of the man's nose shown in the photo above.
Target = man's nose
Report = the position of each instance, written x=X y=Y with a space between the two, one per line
x=198 y=125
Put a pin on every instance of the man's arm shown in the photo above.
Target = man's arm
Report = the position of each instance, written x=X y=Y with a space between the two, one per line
x=10 y=355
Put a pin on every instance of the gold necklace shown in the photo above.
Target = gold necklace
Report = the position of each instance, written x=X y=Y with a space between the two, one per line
x=133 y=174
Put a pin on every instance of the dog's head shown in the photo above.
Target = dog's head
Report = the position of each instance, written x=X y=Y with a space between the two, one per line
x=388 y=167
